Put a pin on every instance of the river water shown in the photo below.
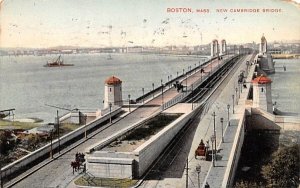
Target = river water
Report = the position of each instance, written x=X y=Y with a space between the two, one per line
x=286 y=85
x=27 y=86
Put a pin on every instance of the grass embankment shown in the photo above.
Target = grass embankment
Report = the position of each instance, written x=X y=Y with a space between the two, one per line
x=4 y=124
x=65 y=128
x=105 y=182
x=151 y=127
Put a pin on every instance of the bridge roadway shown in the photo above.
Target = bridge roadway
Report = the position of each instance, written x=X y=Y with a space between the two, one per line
x=173 y=174
x=58 y=172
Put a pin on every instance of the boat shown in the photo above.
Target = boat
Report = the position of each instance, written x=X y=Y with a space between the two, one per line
x=109 y=57
x=57 y=63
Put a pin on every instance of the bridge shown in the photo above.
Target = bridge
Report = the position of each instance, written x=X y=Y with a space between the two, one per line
x=210 y=89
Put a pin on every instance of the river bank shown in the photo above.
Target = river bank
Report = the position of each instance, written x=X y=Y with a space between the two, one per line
x=286 y=56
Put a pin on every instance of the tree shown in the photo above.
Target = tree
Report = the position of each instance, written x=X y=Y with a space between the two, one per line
x=246 y=184
x=4 y=143
x=283 y=169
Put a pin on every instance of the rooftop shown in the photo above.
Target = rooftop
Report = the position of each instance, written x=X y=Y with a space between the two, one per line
x=262 y=80
x=113 y=81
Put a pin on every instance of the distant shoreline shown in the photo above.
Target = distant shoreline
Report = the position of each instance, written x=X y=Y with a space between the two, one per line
x=286 y=56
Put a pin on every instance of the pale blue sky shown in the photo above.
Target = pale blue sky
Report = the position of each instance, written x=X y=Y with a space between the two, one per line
x=46 y=23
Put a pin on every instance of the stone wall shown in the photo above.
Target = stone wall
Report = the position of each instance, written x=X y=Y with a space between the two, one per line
x=151 y=149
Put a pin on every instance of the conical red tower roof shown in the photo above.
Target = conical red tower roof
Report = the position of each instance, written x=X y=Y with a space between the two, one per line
x=262 y=80
x=113 y=81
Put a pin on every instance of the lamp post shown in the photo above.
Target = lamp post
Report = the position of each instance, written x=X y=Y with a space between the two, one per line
x=57 y=119
x=198 y=170
x=51 y=151
x=228 y=107
x=186 y=82
x=162 y=92
x=214 y=115
x=177 y=74
x=212 y=138
x=193 y=97
x=201 y=72
x=187 y=173
x=152 y=90
x=129 y=103
x=182 y=72
x=233 y=104
x=236 y=93
x=110 y=105
x=85 y=126
x=143 y=90
x=222 y=120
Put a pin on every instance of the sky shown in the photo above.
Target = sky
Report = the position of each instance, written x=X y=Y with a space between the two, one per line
x=107 y=23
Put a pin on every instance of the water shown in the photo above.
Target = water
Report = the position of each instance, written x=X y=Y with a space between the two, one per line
x=27 y=86
x=286 y=85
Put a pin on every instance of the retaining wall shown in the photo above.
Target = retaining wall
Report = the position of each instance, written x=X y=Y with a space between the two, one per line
x=101 y=163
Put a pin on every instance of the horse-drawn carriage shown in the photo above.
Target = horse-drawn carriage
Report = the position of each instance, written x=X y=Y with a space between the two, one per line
x=79 y=161
x=202 y=150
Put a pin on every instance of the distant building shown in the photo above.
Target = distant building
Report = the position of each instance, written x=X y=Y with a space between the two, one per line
x=275 y=51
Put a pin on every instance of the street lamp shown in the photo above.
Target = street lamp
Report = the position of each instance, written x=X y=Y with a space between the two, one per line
x=193 y=97
x=222 y=120
x=152 y=90
x=186 y=82
x=198 y=170
x=212 y=138
x=214 y=115
x=143 y=90
x=85 y=126
x=51 y=151
x=110 y=105
x=228 y=107
x=162 y=92
x=236 y=94
x=129 y=103
x=177 y=74
x=58 y=131
x=233 y=104
x=182 y=72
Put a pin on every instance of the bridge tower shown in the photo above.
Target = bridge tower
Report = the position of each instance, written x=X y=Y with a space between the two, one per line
x=263 y=45
x=223 y=47
x=262 y=96
x=113 y=92
x=214 y=48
